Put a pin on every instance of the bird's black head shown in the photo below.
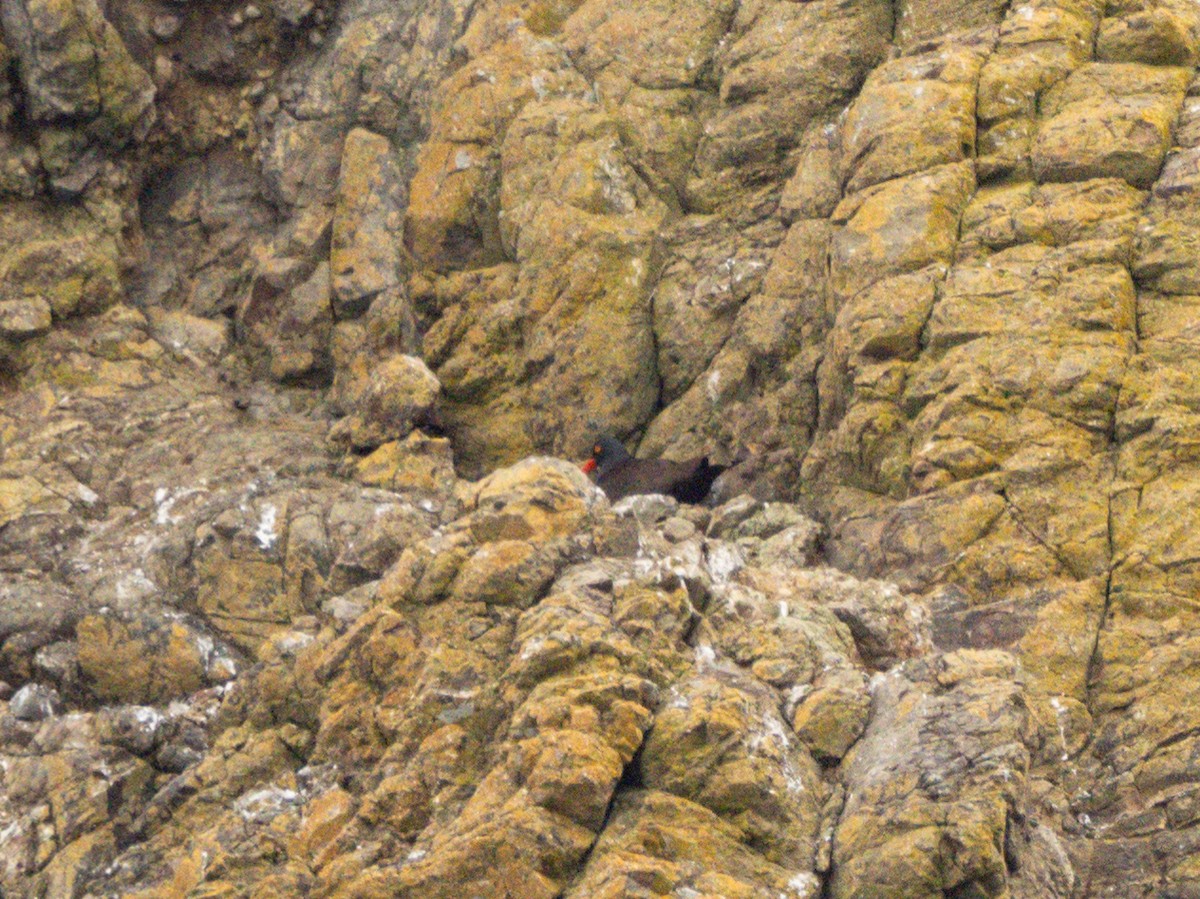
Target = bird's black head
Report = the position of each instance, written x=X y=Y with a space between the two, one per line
x=607 y=450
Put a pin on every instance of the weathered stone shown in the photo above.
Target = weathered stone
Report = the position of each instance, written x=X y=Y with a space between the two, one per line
x=146 y=661
x=656 y=842
x=75 y=68
x=376 y=544
x=929 y=268
x=417 y=464
x=183 y=333
x=58 y=663
x=1134 y=105
x=717 y=267
x=761 y=350
x=676 y=529
x=218 y=199
x=22 y=319
x=902 y=787
x=365 y=245
x=1164 y=36
x=165 y=26
x=139 y=729
x=1039 y=46
x=663 y=45
x=299 y=346
x=350 y=606
x=773 y=53
x=833 y=716
x=723 y=746
x=927 y=22
x=911 y=115
x=814 y=190
x=402 y=395
x=542 y=497
x=351 y=365
x=73 y=275
x=244 y=598
x=647 y=508
x=34 y=702
x=212 y=54
x=897 y=227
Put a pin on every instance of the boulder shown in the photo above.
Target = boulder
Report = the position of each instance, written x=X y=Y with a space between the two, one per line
x=402 y=394
x=34 y=702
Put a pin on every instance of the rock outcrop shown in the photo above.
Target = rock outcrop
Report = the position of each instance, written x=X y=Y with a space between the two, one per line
x=304 y=303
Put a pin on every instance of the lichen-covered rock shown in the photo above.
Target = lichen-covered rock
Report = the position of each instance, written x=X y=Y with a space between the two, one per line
x=74 y=275
x=1134 y=105
x=34 y=702
x=76 y=70
x=204 y=338
x=22 y=319
x=928 y=269
x=936 y=725
x=218 y=198
x=771 y=53
x=656 y=842
x=1037 y=49
x=364 y=253
x=1164 y=35
x=33 y=615
x=568 y=659
x=148 y=661
x=418 y=463
x=911 y=115
x=402 y=394
x=723 y=745
x=717 y=267
x=300 y=338
x=830 y=719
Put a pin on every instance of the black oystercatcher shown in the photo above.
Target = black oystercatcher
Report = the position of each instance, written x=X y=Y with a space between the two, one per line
x=619 y=474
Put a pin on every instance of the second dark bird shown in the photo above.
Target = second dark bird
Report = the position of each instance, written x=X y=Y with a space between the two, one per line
x=619 y=474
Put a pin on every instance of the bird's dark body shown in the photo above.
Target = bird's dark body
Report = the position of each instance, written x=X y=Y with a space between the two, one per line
x=619 y=474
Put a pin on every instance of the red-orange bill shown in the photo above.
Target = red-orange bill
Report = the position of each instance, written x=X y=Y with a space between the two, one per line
x=589 y=466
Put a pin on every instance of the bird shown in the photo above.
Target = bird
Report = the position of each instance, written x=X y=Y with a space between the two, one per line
x=619 y=474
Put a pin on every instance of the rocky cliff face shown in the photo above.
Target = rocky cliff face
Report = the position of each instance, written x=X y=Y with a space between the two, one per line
x=298 y=298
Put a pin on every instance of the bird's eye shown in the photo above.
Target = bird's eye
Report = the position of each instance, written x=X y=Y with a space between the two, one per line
x=597 y=450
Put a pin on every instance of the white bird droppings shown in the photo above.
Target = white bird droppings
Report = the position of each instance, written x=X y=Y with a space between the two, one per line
x=265 y=535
